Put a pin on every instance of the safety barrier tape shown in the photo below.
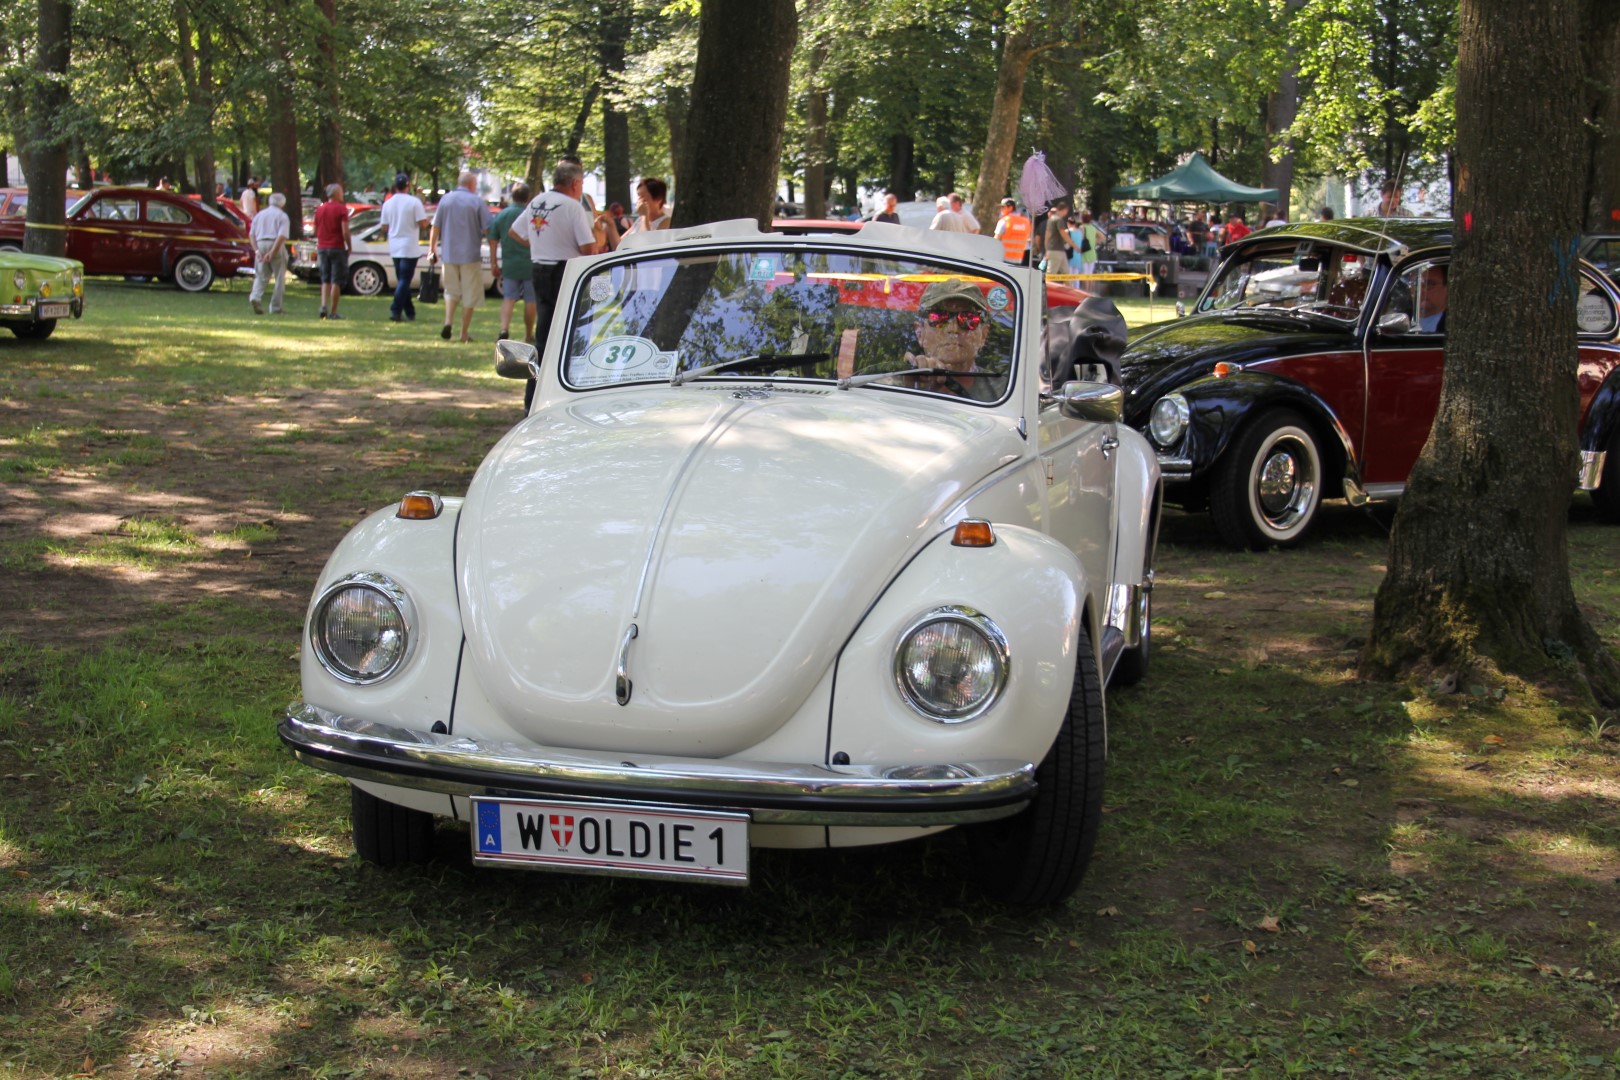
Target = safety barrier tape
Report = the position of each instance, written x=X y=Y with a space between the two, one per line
x=1099 y=277
x=103 y=230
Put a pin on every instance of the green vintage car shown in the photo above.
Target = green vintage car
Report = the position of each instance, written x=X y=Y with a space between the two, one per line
x=37 y=290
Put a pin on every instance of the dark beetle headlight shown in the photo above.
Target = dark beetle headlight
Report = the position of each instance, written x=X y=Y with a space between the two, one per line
x=951 y=665
x=361 y=628
x=1168 y=420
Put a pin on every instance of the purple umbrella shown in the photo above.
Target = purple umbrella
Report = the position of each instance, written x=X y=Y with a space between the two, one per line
x=1037 y=185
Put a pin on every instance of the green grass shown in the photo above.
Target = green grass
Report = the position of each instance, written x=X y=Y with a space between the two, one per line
x=1299 y=874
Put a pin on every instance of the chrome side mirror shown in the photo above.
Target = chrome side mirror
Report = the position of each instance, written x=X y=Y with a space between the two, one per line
x=516 y=360
x=1394 y=324
x=1100 y=402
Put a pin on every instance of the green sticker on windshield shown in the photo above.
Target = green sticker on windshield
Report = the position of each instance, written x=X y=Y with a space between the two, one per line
x=763 y=268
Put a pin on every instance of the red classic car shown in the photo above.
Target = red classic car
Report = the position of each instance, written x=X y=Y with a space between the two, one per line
x=14 y=200
x=143 y=232
x=1310 y=369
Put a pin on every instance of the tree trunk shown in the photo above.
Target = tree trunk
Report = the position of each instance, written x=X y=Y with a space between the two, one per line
x=1478 y=566
x=902 y=166
x=1281 y=108
x=615 y=31
x=534 y=170
x=48 y=101
x=582 y=118
x=283 y=135
x=675 y=110
x=739 y=108
x=815 y=134
x=329 y=120
x=1601 y=50
x=994 y=167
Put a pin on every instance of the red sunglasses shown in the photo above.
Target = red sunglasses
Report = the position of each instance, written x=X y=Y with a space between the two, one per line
x=967 y=320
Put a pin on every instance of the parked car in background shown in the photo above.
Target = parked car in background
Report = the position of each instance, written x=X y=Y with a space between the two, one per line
x=37 y=291
x=1603 y=252
x=795 y=548
x=231 y=207
x=14 y=201
x=1310 y=369
x=141 y=232
x=371 y=268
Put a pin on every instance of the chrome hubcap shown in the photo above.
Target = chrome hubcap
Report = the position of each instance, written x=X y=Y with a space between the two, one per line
x=1278 y=481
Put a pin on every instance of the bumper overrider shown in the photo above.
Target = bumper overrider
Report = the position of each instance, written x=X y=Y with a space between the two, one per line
x=772 y=792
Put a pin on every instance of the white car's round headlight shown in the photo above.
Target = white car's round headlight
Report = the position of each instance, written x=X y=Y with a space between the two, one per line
x=361 y=628
x=951 y=665
x=1169 y=419
x=19 y=280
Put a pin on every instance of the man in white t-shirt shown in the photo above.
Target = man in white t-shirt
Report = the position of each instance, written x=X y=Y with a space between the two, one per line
x=557 y=227
x=402 y=216
x=946 y=219
x=969 y=222
x=269 y=234
x=249 y=200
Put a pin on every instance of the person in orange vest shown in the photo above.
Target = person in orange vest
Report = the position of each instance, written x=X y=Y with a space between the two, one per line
x=1013 y=230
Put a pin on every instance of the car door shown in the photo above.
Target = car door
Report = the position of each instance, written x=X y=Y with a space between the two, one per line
x=1077 y=460
x=99 y=235
x=1405 y=368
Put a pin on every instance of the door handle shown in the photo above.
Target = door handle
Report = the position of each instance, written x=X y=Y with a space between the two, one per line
x=1109 y=445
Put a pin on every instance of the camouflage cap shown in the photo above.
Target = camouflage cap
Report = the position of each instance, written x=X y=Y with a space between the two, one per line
x=951 y=289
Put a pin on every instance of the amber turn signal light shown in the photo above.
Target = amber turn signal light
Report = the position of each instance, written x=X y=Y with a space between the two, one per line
x=420 y=506
x=974 y=533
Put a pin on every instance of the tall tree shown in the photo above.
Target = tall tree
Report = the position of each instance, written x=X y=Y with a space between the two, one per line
x=47 y=102
x=1479 y=566
x=1031 y=29
x=328 y=122
x=614 y=27
x=1601 y=48
x=739 y=108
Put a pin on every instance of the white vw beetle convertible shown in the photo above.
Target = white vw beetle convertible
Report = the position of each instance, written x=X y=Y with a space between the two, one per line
x=801 y=544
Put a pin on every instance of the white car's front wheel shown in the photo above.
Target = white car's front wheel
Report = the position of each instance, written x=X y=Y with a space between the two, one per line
x=388 y=834
x=367 y=279
x=1038 y=856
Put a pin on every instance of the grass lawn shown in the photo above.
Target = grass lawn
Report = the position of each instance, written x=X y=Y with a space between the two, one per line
x=1299 y=873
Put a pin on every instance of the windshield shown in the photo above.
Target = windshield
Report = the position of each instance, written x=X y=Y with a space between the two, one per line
x=829 y=315
x=1292 y=275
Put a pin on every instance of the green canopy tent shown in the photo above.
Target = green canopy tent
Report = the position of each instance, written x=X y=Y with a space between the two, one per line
x=1194 y=181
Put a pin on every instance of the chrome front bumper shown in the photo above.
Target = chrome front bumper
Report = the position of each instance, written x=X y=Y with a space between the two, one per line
x=774 y=793
x=1591 y=474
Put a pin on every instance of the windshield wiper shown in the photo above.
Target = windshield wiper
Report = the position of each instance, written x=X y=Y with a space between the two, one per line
x=879 y=376
x=758 y=360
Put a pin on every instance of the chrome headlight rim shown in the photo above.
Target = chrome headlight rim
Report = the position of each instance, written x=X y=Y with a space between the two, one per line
x=987 y=629
x=1168 y=420
x=391 y=591
x=19 y=280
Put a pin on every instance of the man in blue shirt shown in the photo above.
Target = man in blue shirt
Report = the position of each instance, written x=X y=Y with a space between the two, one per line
x=459 y=225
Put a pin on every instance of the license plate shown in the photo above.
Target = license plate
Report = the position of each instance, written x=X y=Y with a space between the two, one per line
x=55 y=311
x=603 y=838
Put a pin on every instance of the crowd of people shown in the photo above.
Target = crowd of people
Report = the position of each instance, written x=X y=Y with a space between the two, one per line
x=528 y=240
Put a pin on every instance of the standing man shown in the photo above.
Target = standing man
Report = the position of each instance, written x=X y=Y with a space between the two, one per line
x=402 y=217
x=946 y=219
x=1236 y=228
x=969 y=222
x=459 y=224
x=556 y=227
x=1057 y=239
x=517 y=272
x=1013 y=231
x=891 y=209
x=269 y=234
x=249 y=199
x=1093 y=238
x=332 y=249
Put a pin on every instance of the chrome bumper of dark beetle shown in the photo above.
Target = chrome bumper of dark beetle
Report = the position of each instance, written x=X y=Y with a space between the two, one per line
x=1591 y=474
x=774 y=793
x=1172 y=467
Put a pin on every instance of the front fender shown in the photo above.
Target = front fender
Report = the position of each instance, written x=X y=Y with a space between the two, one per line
x=1219 y=406
x=1032 y=587
x=1602 y=415
x=419 y=556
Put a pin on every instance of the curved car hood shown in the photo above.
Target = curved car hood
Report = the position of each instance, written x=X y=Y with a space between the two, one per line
x=1163 y=356
x=41 y=264
x=744 y=538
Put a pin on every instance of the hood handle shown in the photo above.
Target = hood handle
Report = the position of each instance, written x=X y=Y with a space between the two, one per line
x=622 y=684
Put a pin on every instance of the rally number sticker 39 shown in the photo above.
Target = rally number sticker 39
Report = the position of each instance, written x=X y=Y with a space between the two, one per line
x=610 y=838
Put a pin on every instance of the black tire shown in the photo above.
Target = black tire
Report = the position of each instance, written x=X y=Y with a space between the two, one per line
x=367 y=279
x=388 y=834
x=1606 y=496
x=1132 y=665
x=1037 y=857
x=33 y=331
x=193 y=273
x=1268 y=488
